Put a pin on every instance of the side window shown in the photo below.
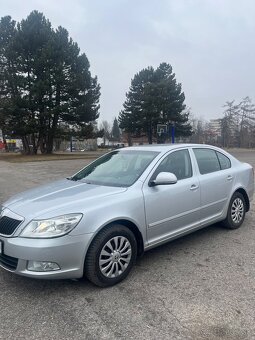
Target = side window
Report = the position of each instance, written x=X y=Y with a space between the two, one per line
x=178 y=162
x=207 y=160
x=224 y=161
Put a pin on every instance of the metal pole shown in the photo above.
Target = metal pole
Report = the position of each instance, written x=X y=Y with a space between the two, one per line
x=173 y=133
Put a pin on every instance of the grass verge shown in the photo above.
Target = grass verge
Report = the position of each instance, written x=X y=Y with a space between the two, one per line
x=18 y=158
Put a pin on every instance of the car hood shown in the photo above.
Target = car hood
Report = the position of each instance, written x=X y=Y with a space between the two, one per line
x=65 y=195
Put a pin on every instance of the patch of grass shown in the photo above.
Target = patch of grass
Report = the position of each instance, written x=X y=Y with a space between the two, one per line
x=18 y=158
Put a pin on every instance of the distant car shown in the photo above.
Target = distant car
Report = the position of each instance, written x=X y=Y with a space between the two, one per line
x=73 y=149
x=120 y=145
x=17 y=149
x=128 y=201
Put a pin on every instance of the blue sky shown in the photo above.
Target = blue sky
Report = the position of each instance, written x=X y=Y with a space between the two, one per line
x=209 y=43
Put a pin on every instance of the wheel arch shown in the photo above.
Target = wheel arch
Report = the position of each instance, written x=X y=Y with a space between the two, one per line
x=139 y=238
x=131 y=226
x=246 y=197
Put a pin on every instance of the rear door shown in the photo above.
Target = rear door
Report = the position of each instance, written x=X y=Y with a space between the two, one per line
x=216 y=182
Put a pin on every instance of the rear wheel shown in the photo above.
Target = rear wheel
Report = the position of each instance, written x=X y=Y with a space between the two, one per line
x=236 y=212
x=111 y=255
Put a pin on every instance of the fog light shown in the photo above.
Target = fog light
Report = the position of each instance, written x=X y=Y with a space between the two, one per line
x=42 y=266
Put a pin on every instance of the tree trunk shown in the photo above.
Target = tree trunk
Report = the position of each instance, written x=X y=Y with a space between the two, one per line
x=42 y=144
x=129 y=138
x=149 y=135
x=6 y=146
x=25 y=144
x=51 y=134
x=52 y=127
x=49 y=145
x=34 y=150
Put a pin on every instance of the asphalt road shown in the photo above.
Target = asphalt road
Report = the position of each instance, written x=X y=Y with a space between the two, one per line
x=201 y=286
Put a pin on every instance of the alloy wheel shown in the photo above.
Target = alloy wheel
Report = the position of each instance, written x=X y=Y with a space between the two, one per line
x=237 y=210
x=115 y=257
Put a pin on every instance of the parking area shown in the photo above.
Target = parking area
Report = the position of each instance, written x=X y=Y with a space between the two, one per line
x=201 y=286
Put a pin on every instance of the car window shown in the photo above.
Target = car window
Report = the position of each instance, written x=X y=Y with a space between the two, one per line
x=118 y=168
x=224 y=161
x=178 y=163
x=207 y=161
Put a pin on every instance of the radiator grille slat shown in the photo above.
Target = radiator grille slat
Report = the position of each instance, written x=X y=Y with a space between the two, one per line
x=8 y=225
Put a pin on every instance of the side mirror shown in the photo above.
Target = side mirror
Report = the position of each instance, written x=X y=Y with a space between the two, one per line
x=164 y=178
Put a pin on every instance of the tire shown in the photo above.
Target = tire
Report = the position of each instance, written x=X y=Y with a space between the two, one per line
x=236 y=212
x=110 y=256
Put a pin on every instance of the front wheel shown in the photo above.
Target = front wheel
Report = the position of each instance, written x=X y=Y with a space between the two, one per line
x=236 y=212
x=111 y=255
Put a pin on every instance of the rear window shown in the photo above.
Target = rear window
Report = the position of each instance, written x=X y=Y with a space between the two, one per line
x=207 y=161
x=224 y=161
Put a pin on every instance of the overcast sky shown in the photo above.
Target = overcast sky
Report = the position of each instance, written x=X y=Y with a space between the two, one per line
x=209 y=43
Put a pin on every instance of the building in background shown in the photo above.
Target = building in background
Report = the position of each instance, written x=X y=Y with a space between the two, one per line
x=215 y=129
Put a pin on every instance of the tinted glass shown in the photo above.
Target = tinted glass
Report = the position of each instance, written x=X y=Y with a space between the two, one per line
x=224 y=161
x=178 y=162
x=119 y=168
x=207 y=160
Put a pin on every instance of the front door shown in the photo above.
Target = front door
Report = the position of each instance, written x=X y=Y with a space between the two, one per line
x=174 y=208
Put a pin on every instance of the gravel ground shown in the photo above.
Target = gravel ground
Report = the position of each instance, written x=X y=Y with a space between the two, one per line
x=201 y=286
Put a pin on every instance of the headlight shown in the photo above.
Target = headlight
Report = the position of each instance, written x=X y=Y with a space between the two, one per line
x=53 y=227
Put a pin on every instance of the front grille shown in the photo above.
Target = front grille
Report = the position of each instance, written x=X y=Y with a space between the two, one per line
x=8 y=262
x=8 y=225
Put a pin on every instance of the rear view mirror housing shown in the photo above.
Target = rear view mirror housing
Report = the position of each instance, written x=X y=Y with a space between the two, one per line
x=163 y=178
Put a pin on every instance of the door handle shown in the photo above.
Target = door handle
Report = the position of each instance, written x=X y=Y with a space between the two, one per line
x=194 y=187
x=229 y=178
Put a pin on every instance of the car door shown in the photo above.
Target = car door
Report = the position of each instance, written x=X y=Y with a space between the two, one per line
x=216 y=182
x=174 y=208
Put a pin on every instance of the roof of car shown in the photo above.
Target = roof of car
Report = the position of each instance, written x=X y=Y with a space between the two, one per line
x=165 y=147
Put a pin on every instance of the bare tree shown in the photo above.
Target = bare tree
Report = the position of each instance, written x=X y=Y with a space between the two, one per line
x=198 y=129
x=106 y=126
x=230 y=124
x=246 y=115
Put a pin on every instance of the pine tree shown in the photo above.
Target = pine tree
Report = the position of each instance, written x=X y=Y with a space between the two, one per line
x=46 y=80
x=154 y=98
x=115 y=130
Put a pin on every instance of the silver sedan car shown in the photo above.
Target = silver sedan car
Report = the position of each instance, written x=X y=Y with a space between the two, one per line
x=98 y=221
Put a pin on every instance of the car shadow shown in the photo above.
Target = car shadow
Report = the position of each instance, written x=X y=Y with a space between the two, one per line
x=184 y=244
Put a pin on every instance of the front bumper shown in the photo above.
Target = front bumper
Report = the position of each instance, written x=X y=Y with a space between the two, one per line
x=67 y=251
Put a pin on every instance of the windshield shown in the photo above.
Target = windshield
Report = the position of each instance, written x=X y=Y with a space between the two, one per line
x=119 y=168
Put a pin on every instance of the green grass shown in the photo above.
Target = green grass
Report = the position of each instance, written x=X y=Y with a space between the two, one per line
x=17 y=158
